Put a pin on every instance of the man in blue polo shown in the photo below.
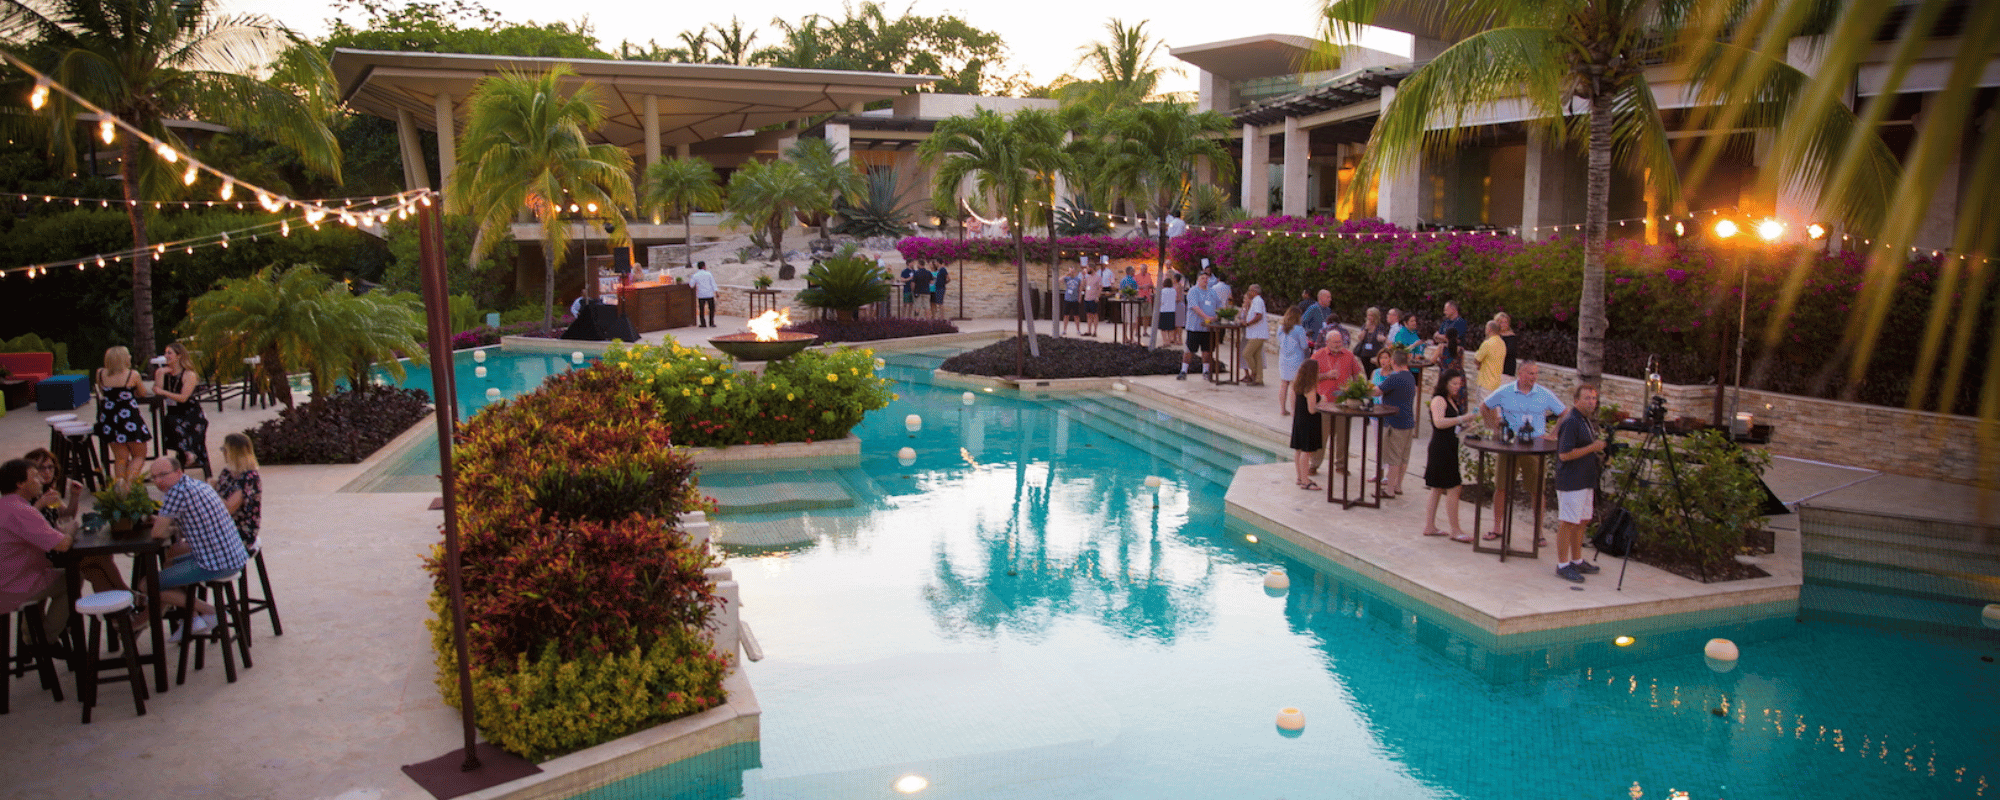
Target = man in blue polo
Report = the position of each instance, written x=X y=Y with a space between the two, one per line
x=1511 y=405
x=1201 y=306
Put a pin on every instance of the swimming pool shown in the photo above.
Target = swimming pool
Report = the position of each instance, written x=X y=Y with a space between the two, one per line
x=1012 y=616
x=414 y=466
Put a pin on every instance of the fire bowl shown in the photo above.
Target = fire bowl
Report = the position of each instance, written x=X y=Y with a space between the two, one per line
x=745 y=347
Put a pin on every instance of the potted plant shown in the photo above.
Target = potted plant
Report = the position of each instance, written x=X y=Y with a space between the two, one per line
x=124 y=504
x=1355 y=393
x=1226 y=313
x=762 y=282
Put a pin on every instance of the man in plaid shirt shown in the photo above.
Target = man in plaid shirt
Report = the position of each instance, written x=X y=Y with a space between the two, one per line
x=215 y=548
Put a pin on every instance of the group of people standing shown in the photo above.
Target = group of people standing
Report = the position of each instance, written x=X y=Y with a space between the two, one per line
x=1085 y=290
x=924 y=282
x=121 y=425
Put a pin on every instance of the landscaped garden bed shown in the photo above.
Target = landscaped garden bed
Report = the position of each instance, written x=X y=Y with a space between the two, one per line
x=1065 y=358
x=345 y=427
x=871 y=330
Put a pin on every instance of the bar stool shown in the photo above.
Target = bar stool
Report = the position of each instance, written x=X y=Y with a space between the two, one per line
x=112 y=606
x=228 y=631
x=250 y=605
x=79 y=455
x=35 y=652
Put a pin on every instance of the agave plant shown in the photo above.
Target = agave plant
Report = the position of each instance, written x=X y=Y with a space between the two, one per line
x=882 y=212
x=1078 y=218
x=844 y=283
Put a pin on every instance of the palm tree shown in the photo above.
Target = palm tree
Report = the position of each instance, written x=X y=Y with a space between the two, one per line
x=1154 y=149
x=1848 y=39
x=768 y=195
x=299 y=317
x=1553 y=54
x=1009 y=160
x=146 y=61
x=525 y=149
x=835 y=176
x=1124 y=66
x=681 y=186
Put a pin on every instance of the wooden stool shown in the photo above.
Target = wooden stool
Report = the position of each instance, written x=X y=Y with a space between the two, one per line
x=228 y=630
x=78 y=454
x=35 y=651
x=100 y=607
x=250 y=605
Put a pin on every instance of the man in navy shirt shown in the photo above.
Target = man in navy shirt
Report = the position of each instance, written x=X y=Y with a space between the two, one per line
x=1577 y=466
x=1314 y=318
x=1399 y=391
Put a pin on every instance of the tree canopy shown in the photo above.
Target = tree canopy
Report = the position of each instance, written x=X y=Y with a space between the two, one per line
x=865 y=38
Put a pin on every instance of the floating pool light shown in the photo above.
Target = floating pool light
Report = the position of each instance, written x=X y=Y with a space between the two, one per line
x=576 y=357
x=493 y=394
x=907 y=456
x=1720 y=650
x=479 y=356
x=1250 y=537
x=1990 y=615
x=967 y=398
x=1277 y=579
x=1622 y=641
x=913 y=423
x=879 y=363
x=1291 y=721
x=1153 y=481
x=479 y=372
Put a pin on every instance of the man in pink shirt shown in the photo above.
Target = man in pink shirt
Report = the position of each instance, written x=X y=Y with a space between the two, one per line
x=26 y=576
x=1337 y=366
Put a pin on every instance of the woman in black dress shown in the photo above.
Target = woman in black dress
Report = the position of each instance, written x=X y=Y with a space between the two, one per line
x=1448 y=411
x=186 y=427
x=1306 y=438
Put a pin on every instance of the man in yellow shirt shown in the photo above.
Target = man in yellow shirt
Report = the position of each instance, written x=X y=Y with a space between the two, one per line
x=1492 y=354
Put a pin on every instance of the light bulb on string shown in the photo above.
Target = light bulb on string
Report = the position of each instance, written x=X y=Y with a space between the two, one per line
x=107 y=130
x=36 y=99
x=167 y=153
x=285 y=227
x=188 y=177
x=228 y=188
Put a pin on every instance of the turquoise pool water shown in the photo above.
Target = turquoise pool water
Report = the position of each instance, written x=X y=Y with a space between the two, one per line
x=1012 y=616
x=415 y=467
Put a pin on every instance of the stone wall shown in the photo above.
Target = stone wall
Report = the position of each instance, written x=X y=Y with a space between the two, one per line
x=1919 y=444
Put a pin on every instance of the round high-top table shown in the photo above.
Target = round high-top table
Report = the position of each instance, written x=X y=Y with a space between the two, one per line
x=1510 y=453
x=1371 y=416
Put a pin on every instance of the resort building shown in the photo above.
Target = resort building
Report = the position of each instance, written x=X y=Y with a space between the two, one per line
x=1302 y=131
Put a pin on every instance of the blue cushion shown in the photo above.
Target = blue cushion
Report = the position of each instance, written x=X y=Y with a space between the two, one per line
x=62 y=392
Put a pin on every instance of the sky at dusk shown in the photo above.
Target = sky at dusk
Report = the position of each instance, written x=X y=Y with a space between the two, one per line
x=1043 y=37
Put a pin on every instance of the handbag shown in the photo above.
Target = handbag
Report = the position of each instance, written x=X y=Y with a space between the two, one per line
x=1616 y=534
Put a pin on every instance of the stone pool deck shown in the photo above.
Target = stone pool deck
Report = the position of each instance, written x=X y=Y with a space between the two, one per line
x=342 y=700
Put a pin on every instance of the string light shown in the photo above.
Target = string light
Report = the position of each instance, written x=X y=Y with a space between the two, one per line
x=40 y=96
x=107 y=130
x=166 y=152
x=187 y=178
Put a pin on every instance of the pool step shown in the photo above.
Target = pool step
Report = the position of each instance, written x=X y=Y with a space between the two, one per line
x=789 y=531
x=1195 y=451
x=1956 y=620
x=757 y=493
x=1902 y=573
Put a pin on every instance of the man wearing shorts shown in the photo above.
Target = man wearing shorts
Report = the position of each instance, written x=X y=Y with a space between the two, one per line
x=1577 y=449
x=1399 y=391
x=1201 y=306
x=215 y=548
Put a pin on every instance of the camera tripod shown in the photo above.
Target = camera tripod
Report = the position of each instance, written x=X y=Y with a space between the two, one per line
x=1658 y=446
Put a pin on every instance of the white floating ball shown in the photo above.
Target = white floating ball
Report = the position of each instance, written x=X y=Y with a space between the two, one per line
x=479 y=356
x=1718 y=665
x=576 y=357
x=479 y=372
x=879 y=363
x=907 y=456
x=1720 y=650
x=1153 y=481
x=914 y=423
x=1277 y=579
x=1990 y=615
x=493 y=394
x=966 y=398
x=1291 y=719
x=1117 y=386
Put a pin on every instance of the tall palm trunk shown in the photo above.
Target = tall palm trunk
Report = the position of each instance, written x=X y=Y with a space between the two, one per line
x=687 y=236
x=1592 y=322
x=278 y=384
x=142 y=260
x=548 y=286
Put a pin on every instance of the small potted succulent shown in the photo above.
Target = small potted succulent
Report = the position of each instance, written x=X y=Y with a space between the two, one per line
x=1355 y=393
x=762 y=282
x=124 y=504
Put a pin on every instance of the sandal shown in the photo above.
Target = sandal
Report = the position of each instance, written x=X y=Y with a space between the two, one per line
x=1541 y=542
x=1309 y=486
x=1491 y=535
x=1433 y=532
x=1463 y=537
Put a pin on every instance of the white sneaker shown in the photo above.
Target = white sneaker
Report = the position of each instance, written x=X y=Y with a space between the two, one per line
x=203 y=624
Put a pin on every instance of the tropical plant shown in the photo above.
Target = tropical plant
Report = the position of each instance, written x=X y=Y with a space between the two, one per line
x=525 y=148
x=1738 y=51
x=682 y=186
x=1702 y=512
x=145 y=61
x=1552 y=54
x=299 y=317
x=1355 y=390
x=881 y=212
x=768 y=195
x=844 y=283
x=124 y=499
x=1008 y=160
x=1126 y=75
x=832 y=173
x=1076 y=217
x=1153 y=152
x=865 y=39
